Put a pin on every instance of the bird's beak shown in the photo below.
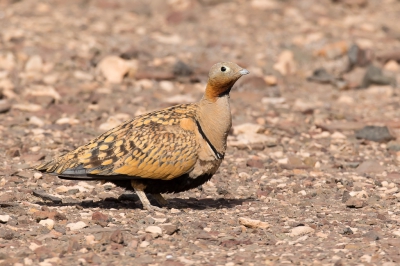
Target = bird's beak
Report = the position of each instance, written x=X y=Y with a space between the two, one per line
x=244 y=72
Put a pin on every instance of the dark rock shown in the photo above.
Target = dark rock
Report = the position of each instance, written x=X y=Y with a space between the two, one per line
x=347 y=231
x=372 y=235
x=374 y=75
x=182 y=69
x=358 y=57
x=346 y=196
x=375 y=133
x=320 y=75
x=6 y=234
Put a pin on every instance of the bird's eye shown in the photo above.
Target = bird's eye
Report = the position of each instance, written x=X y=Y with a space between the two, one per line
x=223 y=69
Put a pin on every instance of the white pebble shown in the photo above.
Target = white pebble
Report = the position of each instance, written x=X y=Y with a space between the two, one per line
x=153 y=230
x=49 y=223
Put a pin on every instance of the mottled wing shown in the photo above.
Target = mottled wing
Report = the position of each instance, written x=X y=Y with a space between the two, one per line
x=159 y=145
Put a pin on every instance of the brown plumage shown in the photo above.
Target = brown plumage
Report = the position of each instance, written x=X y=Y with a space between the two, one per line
x=166 y=151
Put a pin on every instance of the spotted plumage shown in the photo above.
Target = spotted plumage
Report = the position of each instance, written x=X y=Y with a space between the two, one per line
x=166 y=151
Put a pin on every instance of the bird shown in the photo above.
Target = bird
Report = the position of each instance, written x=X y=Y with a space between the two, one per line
x=165 y=151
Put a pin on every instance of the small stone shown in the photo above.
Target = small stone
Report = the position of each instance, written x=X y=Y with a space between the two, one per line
x=182 y=69
x=144 y=244
x=154 y=230
x=370 y=167
x=5 y=106
x=374 y=75
x=29 y=107
x=347 y=231
x=338 y=135
x=117 y=237
x=286 y=64
x=49 y=223
x=354 y=202
x=166 y=85
x=34 y=64
x=113 y=68
x=67 y=120
x=256 y=163
x=76 y=226
x=253 y=223
x=169 y=229
x=301 y=230
x=34 y=120
x=247 y=128
x=98 y=216
x=393 y=146
x=4 y=218
x=175 y=211
x=271 y=80
x=392 y=65
x=375 y=133
x=6 y=234
x=372 y=235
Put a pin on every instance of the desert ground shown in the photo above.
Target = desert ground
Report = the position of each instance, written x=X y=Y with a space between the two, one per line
x=312 y=171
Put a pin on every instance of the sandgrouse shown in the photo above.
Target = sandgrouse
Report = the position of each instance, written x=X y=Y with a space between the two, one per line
x=166 y=151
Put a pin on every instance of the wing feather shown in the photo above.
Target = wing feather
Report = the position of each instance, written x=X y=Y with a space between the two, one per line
x=154 y=146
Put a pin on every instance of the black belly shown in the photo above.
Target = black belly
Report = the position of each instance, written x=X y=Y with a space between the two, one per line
x=179 y=184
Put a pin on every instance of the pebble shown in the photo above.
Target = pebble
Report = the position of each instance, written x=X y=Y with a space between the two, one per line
x=34 y=120
x=375 y=133
x=5 y=106
x=169 y=229
x=354 y=202
x=113 y=68
x=301 y=230
x=175 y=211
x=153 y=230
x=253 y=223
x=34 y=64
x=76 y=226
x=285 y=64
x=49 y=223
x=98 y=216
x=370 y=166
x=144 y=244
x=182 y=69
x=166 y=85
x=28 y=107
x=247 y=128
x=4 y=218
x=67 y=120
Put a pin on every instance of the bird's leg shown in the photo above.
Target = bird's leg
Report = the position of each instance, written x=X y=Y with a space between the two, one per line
x=143 y=198
x=160 y=199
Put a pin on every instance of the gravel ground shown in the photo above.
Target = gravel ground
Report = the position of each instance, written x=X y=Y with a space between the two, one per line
x=311 y=175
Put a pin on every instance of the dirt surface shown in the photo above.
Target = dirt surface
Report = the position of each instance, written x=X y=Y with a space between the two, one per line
x=311 y=175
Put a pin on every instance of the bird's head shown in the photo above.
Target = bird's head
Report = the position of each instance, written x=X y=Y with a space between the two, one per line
x=222 y=77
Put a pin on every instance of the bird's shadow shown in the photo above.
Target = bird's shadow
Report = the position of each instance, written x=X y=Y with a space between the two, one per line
x=133 y=202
